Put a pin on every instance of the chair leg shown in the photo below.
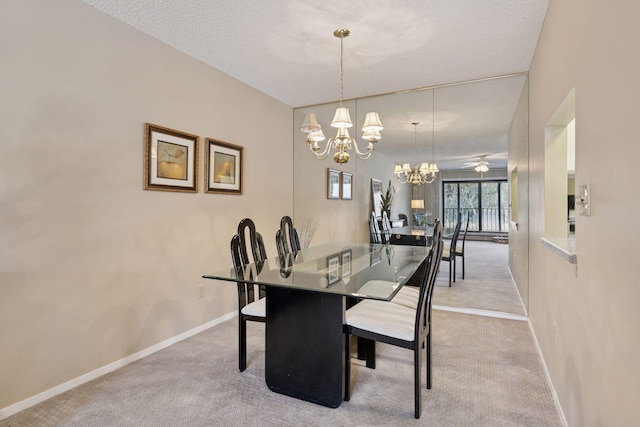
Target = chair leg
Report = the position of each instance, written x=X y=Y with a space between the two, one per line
x=416 y=378
x=429 y=359
x=450 y=272
x=362 y=348
x=371 y=354
x=454 y=268
x=463 y=266
x=242 y=343
x=347 y=368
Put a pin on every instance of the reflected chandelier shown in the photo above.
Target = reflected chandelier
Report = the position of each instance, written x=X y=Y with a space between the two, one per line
x=342 y=142
x=415 y=176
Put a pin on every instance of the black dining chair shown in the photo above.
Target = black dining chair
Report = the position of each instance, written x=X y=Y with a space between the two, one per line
x=287 y=238
x=374 y=229
x=460 y=249
x=251 y=307
x=449 y=254
x=404 y=218
x=398 y=325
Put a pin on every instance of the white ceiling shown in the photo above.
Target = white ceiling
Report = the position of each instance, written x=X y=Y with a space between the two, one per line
x=286 y=48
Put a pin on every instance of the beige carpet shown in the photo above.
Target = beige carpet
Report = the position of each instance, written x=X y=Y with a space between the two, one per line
x=486 y=373
x=487 y=284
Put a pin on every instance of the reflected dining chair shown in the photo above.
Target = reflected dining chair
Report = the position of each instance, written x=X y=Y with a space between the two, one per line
x=449 y=254
x=460 y=249
x=287 y=238
x=250 y=306
x=374 y=230
x=386 y=228
x=398 y=325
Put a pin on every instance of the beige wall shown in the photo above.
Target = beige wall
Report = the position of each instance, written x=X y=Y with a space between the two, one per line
x=592 y=351
x=92 y=267
x=519 y=162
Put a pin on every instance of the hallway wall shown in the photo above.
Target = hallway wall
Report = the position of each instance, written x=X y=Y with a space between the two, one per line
x=586 y=319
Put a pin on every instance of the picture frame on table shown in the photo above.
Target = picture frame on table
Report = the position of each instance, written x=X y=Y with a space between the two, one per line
x=346 y=187
x=224 y=167
x=333 y=184
x=170 y=159
x=345 y=262
x=333 y=267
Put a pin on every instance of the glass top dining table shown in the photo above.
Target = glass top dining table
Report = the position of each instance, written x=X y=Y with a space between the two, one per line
x=347 y=269
x=306 y=297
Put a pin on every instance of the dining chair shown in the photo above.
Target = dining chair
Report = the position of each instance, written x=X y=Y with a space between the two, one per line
x=374 y=230
x=398 y=325
x=287 y=238
x=409 y=294
x=449 y=254
x=460 y=249
x=250 y=306
x=404 y=218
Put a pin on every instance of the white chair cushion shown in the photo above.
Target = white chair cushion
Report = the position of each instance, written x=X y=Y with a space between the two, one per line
x=445 y=253
x=256 y=308
x=407 y=296
x=377 y=288
x=384 y=318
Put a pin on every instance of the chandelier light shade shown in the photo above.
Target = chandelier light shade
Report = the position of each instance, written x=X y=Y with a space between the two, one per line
x=342 y=143
x=417 y=204
x=424 y=174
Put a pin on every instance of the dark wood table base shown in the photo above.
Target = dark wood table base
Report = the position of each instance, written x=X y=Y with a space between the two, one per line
x=305 y=345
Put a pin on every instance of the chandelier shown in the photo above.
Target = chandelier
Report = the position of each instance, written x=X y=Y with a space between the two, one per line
x=342 y=142
x=415 y=176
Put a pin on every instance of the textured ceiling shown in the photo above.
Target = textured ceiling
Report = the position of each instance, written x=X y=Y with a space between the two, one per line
x=286 y=48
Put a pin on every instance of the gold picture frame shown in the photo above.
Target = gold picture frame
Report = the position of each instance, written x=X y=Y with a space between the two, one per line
x=224 y=167
x=170 y=160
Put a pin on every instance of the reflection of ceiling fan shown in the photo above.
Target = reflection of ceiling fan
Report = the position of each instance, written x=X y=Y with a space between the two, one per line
x=481 y=165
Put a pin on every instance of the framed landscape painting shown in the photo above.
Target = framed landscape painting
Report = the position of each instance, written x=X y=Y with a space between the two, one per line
x=223 y=167
x=170 y=160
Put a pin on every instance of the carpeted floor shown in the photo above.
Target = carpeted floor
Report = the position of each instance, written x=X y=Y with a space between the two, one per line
x=487 y=284
x=486 y=373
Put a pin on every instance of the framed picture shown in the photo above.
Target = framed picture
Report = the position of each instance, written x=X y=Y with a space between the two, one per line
x=333 y=184
x=376 y=196
x=333 y=264
x=345 y=262
x=223 y=167
x=347 y=179
x=170 y=160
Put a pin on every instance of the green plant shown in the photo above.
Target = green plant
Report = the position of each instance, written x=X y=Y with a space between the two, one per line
x=387 y=198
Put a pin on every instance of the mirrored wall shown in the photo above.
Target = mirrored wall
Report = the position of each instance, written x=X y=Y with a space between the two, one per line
x=456 y=126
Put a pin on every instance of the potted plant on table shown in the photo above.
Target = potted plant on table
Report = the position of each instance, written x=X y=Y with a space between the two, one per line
x=387 y=198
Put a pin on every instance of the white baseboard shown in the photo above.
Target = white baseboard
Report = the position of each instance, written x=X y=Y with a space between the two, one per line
x=563 y=420
x=47 y=394
x=478 y=312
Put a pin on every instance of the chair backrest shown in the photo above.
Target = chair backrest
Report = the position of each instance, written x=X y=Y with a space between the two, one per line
x=456 y=233
x=239 y=256
x=386 y=228
x=287 y=239
x=374 y=230
x=404 y=218
x=423 y=310
x=255 y=241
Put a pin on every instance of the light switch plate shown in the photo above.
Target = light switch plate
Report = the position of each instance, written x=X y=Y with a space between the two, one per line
x=585 y=200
